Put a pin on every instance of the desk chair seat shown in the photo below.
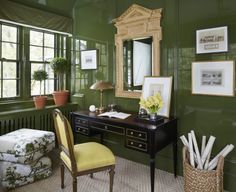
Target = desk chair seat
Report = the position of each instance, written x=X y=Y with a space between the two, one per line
x=81 y=159
x=90 y=155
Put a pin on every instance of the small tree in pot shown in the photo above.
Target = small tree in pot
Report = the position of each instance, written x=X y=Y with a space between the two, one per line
x=61 y=67
x=40 y=75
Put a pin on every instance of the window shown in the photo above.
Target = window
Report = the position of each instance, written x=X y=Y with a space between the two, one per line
x=42 y=51
x=9 y=64
x=24 y=50
x=80 y=77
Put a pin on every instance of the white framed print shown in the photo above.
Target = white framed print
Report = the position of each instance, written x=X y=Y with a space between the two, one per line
x=212 y=40
x=163 y=85
x=89 y=59
x=213 y=78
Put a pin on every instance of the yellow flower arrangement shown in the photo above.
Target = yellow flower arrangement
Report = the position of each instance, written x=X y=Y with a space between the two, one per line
x=152 y=103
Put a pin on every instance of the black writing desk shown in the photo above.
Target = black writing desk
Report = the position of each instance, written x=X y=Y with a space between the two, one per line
x=138 y=135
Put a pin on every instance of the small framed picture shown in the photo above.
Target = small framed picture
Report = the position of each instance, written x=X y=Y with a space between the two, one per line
x=212 y=40
x=89 y=59
x=213 y=78
x=163 y=85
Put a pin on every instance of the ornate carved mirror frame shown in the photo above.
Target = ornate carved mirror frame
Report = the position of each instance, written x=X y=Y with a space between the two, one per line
x=137 y=22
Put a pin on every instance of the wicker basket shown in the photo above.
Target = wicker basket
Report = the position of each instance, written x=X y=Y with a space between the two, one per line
x=196 y=180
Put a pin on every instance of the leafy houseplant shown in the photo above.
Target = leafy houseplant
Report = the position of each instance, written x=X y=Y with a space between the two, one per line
x=40 y=75
x=152 y=104
x=61 y=67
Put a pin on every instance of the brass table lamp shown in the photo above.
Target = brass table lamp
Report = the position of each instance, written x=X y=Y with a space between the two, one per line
x=101 y=85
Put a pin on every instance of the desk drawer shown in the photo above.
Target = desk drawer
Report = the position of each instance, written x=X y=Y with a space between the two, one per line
x=136 y=134
x=107 y=127
x=141 y=146
x=81 y=121
x=82 y=130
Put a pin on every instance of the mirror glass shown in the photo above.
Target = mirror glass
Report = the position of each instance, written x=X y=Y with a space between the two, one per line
x=137 y=59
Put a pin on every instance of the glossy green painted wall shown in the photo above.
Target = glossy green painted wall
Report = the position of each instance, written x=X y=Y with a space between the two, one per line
x=206 y=115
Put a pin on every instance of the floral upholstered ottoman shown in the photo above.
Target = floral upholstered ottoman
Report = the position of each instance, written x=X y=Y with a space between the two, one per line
x=15 y=174
x=25 y=145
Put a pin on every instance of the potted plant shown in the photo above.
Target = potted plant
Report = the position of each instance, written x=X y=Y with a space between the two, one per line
x=152 y=104
x=60 y=66
x=39 y=101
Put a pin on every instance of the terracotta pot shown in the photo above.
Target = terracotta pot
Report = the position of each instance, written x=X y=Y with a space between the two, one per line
x=60 y=97
x=40 y=101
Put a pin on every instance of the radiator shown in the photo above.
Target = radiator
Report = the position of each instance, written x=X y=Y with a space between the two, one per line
x=32 y=118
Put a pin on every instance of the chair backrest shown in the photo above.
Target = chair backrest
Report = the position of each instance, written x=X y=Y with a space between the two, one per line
x=64 y=136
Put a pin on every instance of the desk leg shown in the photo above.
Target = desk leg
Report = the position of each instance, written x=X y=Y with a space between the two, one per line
x=152 y=172
x=101 y=138
x=175 y=157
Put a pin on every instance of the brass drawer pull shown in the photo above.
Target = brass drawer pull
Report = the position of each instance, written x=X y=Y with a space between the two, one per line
x=140 y=145
x=131 y=143
x=140 y=135
x=131 y=133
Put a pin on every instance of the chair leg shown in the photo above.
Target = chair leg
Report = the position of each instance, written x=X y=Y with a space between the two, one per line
x=62 y=176
x=111 y=173
x=91 y=175
x=74 y=184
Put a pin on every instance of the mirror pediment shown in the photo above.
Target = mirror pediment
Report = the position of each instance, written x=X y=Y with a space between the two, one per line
x=136 y=23
x=135 y=11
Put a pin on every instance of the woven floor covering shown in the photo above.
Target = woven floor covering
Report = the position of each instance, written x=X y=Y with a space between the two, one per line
x=129 y=177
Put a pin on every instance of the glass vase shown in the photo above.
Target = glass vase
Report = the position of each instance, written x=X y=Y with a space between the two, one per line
x=153 y=116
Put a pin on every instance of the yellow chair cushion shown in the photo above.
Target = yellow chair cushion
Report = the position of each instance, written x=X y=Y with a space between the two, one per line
x=89 y=156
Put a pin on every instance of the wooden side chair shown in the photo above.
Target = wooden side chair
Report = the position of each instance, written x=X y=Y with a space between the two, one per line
x=81 y=159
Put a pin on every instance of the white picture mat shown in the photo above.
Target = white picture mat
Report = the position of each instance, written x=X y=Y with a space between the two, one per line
x=163 y=85
x=212 y=40
x=224 y=85
x=89 y=59
x=142 y=65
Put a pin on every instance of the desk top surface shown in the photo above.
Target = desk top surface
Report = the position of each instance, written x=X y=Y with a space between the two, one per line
x=132 y=120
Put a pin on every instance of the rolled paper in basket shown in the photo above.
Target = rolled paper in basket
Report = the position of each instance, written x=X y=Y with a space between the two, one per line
x=208 y=148
x=191 y=150
x=229 y=148
x=196 y=150
x=207 y=161
x=215 y=159
x=203 y=144
x=184 y=141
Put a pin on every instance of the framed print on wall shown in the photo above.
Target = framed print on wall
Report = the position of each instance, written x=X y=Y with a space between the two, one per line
x=163 y=85
x=212 y=40
x=213 y=78
x=89 y=59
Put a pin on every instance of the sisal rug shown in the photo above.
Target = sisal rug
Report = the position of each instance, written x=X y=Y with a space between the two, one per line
x=129 y=177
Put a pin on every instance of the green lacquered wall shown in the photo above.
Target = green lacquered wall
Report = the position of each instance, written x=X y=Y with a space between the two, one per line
x=206 y=115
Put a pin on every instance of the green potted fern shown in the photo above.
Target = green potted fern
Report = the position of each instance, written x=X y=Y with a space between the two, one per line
x=61 y=67
x=40 y=101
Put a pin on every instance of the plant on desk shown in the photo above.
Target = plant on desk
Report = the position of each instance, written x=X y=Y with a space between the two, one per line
x=152 y=104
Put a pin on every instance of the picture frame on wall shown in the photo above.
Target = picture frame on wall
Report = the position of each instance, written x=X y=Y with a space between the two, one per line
x=212 y=40
x=89 y=59
x=163 y=85
x=213 y=78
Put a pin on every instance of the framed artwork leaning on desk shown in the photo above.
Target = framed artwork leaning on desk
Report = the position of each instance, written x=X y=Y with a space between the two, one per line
x=163 y=86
